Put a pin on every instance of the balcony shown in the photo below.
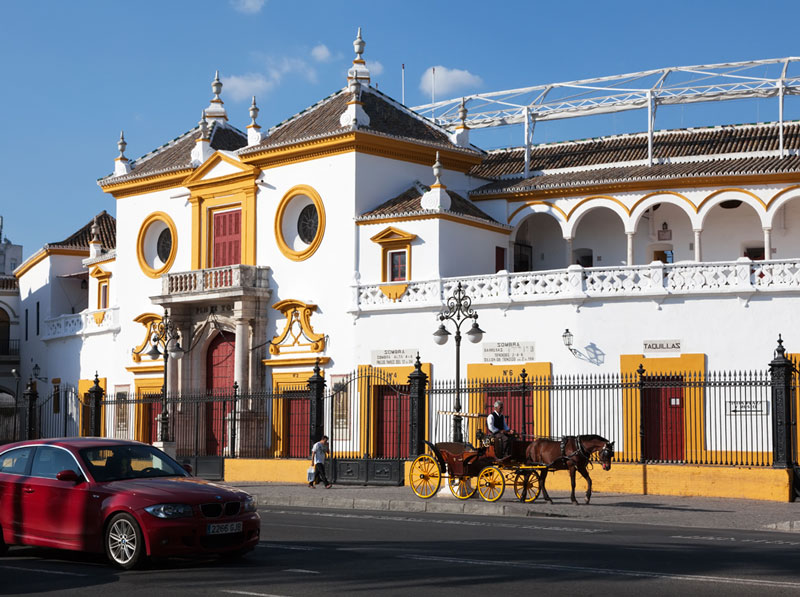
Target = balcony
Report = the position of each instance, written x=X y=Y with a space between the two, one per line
x=213 y=284
x=9 y=348
x=9 y=283
x=742 y=278
x=86 y=323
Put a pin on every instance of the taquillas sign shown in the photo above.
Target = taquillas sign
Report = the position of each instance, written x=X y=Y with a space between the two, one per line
x=662 y=346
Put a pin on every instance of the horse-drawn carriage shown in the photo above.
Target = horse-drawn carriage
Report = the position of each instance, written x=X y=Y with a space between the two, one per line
x=468 y=469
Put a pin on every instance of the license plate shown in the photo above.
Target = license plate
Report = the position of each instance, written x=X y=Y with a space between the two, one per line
x=222 y=528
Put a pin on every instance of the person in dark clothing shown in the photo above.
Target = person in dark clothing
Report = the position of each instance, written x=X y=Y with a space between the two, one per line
x=318 y=453
x=500 y=431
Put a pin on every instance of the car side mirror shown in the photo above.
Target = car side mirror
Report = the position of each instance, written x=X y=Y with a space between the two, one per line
x=68 y=475
x=187 y=467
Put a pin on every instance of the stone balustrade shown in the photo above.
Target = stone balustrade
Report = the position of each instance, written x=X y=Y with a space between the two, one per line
x=85 y=323
x=217 y=278
x=657 y=280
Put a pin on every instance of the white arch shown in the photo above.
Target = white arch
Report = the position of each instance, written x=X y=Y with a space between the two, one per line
x=673 y=199
x=537 y=208
x=588 y=205
x=12 y=314
x=733 y=195
x=775 y=207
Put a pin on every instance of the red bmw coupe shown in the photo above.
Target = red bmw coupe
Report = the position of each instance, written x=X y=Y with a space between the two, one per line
x=126 y=498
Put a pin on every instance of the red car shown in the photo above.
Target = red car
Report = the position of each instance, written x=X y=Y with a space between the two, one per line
x=126 y=498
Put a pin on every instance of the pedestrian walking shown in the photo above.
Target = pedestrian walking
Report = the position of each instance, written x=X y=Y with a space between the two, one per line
x=319 y=452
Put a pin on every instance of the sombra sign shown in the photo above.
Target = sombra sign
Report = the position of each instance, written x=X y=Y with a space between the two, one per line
x=508 y=352
x=661 y=347
x=393 y=356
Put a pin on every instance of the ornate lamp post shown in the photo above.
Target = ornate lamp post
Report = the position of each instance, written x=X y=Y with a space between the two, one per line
x=165 y=341
x=459 y=309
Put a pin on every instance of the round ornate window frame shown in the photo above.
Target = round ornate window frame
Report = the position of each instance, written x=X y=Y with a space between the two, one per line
x=157 y=216
x=279 y=217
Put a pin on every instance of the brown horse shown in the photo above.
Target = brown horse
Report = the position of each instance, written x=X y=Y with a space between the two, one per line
x=573 y=453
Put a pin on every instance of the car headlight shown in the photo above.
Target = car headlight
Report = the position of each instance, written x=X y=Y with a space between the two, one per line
x=249 y=504
x=169 y=510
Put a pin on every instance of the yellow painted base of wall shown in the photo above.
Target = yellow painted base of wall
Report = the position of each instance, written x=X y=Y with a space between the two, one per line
x=752 y=483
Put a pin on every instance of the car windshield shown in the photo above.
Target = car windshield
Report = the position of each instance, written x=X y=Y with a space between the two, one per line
x=113 y=463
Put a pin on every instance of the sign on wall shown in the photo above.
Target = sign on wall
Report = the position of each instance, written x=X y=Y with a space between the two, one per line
x=661 y=347
x=508 y=352
x=394 y=356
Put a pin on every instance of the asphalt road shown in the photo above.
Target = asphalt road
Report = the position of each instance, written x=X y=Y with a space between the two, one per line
x=333 y=552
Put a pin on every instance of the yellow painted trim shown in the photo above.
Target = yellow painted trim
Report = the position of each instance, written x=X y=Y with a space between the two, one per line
x=44 y=253
x=393 y=239
x=529 y=203
x=146 y=369
x=247 y=173
x=147 y=320
x=281 y=470
x=673 y=193
x=509 y=371
x=146 y=184
x=694 y=426
x=448 y=217
x=84 y=408
x=295 y=362
x=156 y=216
x=99 y=316
x=632 y=187
x=731 y=190
x=394 y=291
x=777 y=195
x=312 y=194
x=300 y=313
x=280 y=414
x=142 y=423
x=596 y=197
x=361 y=142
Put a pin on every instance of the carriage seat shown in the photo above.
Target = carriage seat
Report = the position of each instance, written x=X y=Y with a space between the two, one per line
x=455 y=447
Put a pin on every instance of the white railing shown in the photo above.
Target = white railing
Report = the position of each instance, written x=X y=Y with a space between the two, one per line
x=656 y=280
x=85 y=323
x=217 y=278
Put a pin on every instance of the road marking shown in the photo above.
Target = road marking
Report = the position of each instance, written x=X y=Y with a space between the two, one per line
x=42 y=571
x=470 y=523
x=316 y=527
x=734 y=540
x=232 y=592
x=292 y=547
x=301 y=571
x=609 y=571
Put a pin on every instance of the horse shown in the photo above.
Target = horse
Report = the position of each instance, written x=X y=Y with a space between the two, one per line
x=573 y=453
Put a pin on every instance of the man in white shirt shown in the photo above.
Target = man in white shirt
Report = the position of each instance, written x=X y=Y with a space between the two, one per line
x=318 y=454
x=500 y=431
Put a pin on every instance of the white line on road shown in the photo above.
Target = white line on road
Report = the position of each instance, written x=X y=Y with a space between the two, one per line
x=42 y=571
x=735 y=540
x=301 y=571
x=610 y=571
x=251 y=593
x=292 y=547
x=317 y=527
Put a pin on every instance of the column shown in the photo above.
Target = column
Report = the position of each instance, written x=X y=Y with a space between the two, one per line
x=569 y=251
x=698 y=253
x=630 y=247
x=767 y=243
x=241 y=353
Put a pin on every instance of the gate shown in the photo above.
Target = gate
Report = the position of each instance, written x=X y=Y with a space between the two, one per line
x=369 y=417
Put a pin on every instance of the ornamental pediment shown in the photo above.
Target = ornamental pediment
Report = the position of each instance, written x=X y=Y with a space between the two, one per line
x=392 y=235
x=220 y=166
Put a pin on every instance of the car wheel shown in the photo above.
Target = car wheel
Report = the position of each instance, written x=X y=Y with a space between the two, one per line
x=124 y=542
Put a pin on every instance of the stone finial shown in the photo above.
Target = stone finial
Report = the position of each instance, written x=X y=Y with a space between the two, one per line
x=95 y=245
x=462 y=112
x=359 y=69
x=461 y=135
x=354 y=114
x=254 y=134
x=437 y=198
x=95 y=231
x=121 y=164
x=437 y=170
x=216 y=109
x=202 y=147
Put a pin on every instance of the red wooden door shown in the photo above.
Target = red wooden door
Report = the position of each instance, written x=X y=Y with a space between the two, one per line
x=393 y=422
x=663 y=420
x=219 y=382
x=227 y=238
x=299 y=420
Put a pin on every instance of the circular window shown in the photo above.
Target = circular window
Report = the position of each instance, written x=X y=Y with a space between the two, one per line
x=156 y=244
x=300 y=223
x=307 y=223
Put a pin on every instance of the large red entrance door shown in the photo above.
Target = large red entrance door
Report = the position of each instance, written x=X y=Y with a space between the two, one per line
x=393 y=421
x=219 y=382
x=663 y=419
x=227 y=238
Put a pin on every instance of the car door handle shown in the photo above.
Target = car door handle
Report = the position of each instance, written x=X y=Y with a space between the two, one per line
x=27 y=489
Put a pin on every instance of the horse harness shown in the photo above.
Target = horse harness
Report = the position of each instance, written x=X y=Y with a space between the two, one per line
x=579 y=451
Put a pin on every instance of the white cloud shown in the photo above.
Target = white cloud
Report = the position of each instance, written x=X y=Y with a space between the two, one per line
x=248 y=7
x=375 y=68
x=321 y=53
x=448 y=80
x=239 y=87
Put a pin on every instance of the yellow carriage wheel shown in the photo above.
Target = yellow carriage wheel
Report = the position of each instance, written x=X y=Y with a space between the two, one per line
x=527 y=486
x=425 y=477
x=491 y=484
x=462 y=487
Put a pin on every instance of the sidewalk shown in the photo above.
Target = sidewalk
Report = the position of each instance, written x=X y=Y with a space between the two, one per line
x=694 y=512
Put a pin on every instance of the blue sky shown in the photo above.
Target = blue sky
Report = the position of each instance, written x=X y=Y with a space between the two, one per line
x=75 y=73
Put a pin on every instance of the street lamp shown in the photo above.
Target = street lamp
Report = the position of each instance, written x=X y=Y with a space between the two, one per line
x=165 y=341
x=459 y=309
x=567 y=338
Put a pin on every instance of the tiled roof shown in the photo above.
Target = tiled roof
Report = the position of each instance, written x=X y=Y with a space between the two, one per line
x=176 y=154
x=683 y=143
x=386 y=117
x=409 y=203
x=80 y=239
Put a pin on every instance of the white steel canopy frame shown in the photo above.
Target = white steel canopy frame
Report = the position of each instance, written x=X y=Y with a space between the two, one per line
x=619 y=93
